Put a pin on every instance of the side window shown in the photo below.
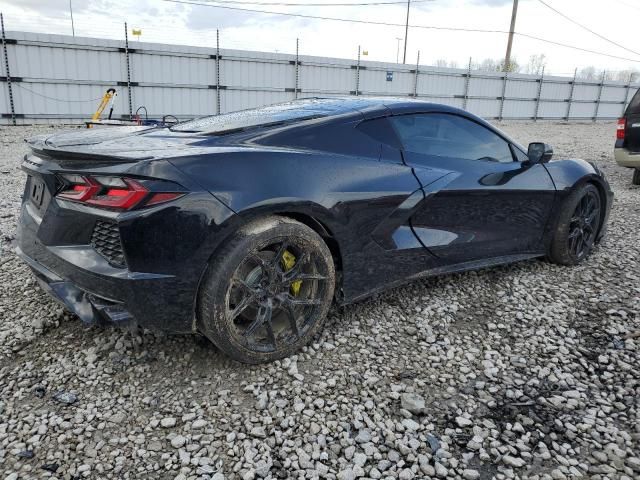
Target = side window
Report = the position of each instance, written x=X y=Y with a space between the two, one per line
x=447 y=135
x=381 y=130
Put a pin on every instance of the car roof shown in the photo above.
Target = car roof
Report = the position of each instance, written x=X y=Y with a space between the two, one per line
x=372 y=107
x=337 y=105
x=303 y=109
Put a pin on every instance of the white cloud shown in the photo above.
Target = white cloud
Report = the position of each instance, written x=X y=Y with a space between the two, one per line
x=196 y=25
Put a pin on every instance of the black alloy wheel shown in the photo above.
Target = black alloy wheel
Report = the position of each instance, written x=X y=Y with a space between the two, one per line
x=271 y=302
x=267 y=292
x=577 y=227
x=584 y=224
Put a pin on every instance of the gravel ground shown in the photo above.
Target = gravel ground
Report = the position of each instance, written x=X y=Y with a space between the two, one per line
x=525 y=371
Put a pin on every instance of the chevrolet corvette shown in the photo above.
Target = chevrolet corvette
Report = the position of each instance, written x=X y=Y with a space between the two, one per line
x=246 y=227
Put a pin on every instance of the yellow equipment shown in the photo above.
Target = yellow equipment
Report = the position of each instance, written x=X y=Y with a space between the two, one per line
x=108 y=99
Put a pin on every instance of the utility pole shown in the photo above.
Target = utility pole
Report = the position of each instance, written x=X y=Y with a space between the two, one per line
x=507 y=57
x=406 y=33
x=398 y=49
x=73 y=30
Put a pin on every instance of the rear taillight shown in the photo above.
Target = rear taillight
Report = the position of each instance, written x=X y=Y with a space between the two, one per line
x=117 y=193
x=622 y=128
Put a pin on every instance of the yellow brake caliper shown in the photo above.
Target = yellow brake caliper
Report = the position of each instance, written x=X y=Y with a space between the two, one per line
x=288 y=261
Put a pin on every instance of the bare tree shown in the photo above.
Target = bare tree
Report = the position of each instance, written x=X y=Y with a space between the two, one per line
x=493 y=65
x=587 y=73
x=488 y=65
x=443 y=63
x=536 y=64
x=514 y=66
x=627 y=75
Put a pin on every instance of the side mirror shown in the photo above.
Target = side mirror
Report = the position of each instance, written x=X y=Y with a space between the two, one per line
x=539 y=152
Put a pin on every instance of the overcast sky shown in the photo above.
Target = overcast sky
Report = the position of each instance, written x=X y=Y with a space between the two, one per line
x=163 y=21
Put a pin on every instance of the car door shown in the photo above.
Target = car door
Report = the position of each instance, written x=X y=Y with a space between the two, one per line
x=493 y=203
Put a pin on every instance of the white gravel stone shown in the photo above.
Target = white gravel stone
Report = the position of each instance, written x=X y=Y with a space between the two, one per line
x=495 y=371
x=168 y=422
x=513 y=461
x=469 y=474
x=463 y=422
x=178 y=441
x=413 y=402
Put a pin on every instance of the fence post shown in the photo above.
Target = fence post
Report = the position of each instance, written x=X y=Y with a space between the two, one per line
x=595 y=117
x=626 y=96
x=358 y=73
x=535 y=115
x=570 y=100
x=504 y=91
x=217 y=72
x=466 y=86
x=297 y=67
x=6 y=66
x=126 y=52
x=415 y=79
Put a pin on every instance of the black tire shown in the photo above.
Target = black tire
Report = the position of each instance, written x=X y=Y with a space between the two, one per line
x=577 y=226
x=636 y=176
x=255 y=308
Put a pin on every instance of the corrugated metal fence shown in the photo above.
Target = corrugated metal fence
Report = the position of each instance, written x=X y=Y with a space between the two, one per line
x=58 y=78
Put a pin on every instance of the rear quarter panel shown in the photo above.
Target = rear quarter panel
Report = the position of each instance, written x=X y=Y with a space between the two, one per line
x=349 y=195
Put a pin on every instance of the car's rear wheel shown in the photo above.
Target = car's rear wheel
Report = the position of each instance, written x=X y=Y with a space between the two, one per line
x=267 y=291
x=577 y=226
x=636 y=176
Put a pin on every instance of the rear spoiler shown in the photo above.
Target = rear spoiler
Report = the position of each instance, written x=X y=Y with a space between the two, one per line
x=39 y=147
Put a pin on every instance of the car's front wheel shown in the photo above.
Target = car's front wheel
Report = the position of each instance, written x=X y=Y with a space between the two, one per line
x=577 y=227
x=636 y=176
x=267 y=292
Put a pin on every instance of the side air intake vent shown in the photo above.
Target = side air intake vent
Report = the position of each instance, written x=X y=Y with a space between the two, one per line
x=105 y=239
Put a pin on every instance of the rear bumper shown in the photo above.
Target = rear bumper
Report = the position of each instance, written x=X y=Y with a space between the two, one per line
x=146 y=300
x=625 y=158
x=88 y=307
x=85 y=283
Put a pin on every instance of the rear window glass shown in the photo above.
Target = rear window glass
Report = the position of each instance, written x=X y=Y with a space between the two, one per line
x=634 y=106
x=262 y=116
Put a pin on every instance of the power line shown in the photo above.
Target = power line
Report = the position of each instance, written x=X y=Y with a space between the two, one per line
x=635 y=7
x=336 y=19
x=560 y=44
x=289 y=4
x=566 y=17
x=387 y=24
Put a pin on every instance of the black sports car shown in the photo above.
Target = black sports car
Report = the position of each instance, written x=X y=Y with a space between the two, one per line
x=245 y=226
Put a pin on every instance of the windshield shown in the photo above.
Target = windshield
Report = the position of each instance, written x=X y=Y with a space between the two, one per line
x=255 y=117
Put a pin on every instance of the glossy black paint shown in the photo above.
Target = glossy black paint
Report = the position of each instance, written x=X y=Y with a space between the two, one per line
x=387 y=215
